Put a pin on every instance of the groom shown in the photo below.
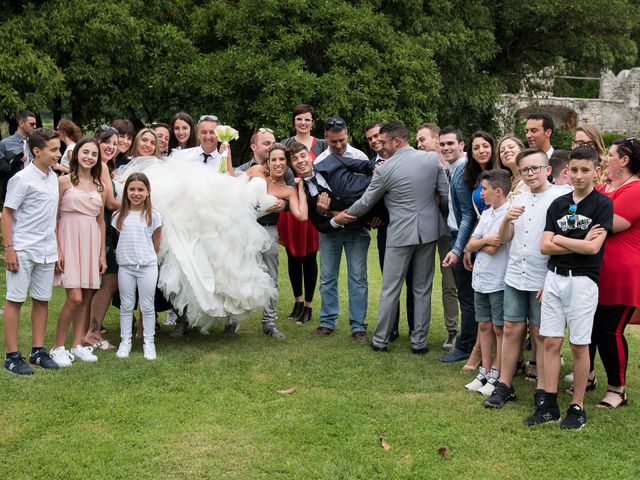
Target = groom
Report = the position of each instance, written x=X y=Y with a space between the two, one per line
x=415 y=190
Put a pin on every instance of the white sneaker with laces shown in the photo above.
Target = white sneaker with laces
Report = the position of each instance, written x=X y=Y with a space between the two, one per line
x=124 y=349
x=84 y=353
x=61 y=356
x=488 y=388
x=149 y=349
x=478 y=382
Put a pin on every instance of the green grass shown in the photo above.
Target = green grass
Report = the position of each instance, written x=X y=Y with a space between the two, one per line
x=208 y=408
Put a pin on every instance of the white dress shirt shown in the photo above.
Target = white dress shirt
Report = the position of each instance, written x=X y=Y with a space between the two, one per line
x=350 y=152
x=33 y=196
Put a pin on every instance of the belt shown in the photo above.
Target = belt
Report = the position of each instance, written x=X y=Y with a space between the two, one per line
x=567 y=272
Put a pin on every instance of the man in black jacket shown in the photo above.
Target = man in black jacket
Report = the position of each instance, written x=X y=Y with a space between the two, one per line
x=332 y=186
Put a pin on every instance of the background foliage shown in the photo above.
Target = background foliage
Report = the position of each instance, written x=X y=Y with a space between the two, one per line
x=250 y=61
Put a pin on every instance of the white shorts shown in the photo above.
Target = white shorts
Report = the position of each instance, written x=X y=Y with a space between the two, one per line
x=36 y=277
x=568 y=301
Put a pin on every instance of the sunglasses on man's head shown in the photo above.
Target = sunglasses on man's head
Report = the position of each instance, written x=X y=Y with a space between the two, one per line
x=335 y=122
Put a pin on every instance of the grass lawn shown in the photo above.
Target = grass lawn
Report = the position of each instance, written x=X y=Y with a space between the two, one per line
x=208 y=408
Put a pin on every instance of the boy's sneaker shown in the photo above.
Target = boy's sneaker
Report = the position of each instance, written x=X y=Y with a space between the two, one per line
x=568 y=378
x=149 y=349
x=84 y=353
x=546 y=409
x=41 y=358
x=478 y=382
x=501 y=395
x=575 y=419
x=62 y=356
x=16 y=364
x=124 y=349
x=489 y=387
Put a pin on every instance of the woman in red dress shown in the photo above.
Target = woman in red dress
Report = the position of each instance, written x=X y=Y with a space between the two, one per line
x=300 y=239
x=619 y=283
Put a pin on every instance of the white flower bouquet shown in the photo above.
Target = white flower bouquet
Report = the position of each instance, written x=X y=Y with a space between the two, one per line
x=225 y=134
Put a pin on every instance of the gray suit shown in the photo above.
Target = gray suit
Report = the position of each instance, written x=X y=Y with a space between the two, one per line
x=409 y=182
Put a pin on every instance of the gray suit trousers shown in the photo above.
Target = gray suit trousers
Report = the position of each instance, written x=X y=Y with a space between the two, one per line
x=396 y=264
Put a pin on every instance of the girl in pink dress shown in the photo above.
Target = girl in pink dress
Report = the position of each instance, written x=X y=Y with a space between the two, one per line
x=81 y=248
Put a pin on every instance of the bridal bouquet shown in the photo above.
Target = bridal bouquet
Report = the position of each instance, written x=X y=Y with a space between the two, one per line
x=225 y=134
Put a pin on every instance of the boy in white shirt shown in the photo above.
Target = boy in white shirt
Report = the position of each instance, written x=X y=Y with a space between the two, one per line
x=523 y=226
x=31 y=250
x=488 y=276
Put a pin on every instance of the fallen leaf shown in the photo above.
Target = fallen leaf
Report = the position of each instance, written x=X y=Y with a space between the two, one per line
x=288 y=391
x=444 y=453
x=384 y=444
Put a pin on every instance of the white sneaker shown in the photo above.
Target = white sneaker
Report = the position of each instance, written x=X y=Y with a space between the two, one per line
x=124 y=349
x=568 y=378
x=492 y=381
x=149 y=349
x=478 y=382
x=61 y=356
x=84 y=353
x=171 y=318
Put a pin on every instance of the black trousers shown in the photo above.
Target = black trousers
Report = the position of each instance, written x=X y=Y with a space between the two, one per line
x=303 y=270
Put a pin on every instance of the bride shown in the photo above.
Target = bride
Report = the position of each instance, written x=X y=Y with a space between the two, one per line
x=210 y=255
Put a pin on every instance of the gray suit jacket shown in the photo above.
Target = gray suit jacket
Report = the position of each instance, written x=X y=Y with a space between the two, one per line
x=409 y=181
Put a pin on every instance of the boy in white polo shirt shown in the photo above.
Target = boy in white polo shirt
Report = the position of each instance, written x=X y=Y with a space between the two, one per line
x=488 y=276
x=31 y=250
x=523 y=226
x=575 y=231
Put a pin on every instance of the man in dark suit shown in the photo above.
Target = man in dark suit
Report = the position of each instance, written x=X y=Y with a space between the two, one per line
x=415 y=191
x=333 y=185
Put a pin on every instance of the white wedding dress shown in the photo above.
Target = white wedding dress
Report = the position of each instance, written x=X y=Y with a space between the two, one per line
x=210 y=255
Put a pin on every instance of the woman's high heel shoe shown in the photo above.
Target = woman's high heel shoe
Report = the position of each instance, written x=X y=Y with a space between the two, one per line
x=305 y=316
x=297 y=310
x=623 y=403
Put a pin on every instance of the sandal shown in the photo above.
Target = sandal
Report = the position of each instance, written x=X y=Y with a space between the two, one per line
x=104 y=345
x=592 y=383
x=623 y=403
x=520 y=366
x=532 y=372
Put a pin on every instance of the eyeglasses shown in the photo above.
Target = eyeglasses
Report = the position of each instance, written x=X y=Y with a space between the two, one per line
x=580 y=143
x=334 y=122
x=208 y=118
x=303 y=120
x=107 y=128
x=573 y=208
x=533 y=169
x=631 y=141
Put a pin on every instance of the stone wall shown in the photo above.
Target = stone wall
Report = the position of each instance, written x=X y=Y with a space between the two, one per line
x=616 y=110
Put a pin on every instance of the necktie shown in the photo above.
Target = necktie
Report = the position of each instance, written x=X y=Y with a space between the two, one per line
x=206 y=157
x=25 y=151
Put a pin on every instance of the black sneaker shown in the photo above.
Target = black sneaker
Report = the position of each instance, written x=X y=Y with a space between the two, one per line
x=16 y=364
x=575 y=419
x=43 y=359
x=546 y=409
x=501 y=395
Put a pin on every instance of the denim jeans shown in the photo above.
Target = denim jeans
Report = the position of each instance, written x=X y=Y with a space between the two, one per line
x=355 y=242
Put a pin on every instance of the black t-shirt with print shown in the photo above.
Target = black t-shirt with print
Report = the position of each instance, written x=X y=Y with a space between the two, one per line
x=594 y=209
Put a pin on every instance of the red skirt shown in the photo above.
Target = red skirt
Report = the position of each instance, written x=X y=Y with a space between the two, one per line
x=299 y=238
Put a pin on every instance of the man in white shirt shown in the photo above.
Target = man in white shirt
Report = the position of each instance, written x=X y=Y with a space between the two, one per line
x=31 y=250
x=207 y=151
x=428 y=140
x=538 y=130
x=337 y=137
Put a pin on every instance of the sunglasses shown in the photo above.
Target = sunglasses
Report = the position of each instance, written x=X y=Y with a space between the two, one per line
x=107 y=128
x=264 y=130
x=208 y=118
x=334 y=122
